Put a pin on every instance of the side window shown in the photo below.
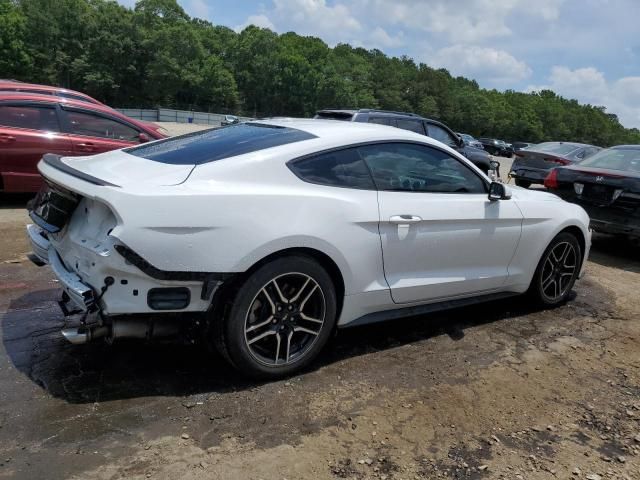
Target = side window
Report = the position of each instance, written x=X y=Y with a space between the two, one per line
x=590 y=151
x=408 y=167
x=340 y=168
x=412 y=125
x=383 y=121
x=29 y=116
x=91 y=125
x=438 y=133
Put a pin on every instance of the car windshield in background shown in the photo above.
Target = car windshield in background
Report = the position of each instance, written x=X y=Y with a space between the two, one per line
x=555 y=147
x=623 y=159
x=218 y=143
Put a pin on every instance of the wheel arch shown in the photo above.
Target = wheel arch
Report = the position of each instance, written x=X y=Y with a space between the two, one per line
x=323 y=259
x=580 y=236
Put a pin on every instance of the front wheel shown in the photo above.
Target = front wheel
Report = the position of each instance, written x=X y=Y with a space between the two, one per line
x=280 y=318
x=557 y=270
x=523 y=183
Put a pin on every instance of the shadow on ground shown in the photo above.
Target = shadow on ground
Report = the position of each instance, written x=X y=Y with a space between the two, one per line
x=100 y=372
x=127 y=369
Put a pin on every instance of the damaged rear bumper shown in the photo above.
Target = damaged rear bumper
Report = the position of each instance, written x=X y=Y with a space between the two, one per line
x=78 y=292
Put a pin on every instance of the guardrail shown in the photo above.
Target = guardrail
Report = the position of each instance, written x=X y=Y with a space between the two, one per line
x=178 y=116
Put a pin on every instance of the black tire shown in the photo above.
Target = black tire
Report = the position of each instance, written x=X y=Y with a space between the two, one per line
x=523 y=183
x=255 y=293
x=552 y=274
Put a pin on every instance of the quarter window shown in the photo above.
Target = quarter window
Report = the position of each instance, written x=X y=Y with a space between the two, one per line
x=29 y=116
x=340 y=168
x=416 y=168
x=383 y=121
x=412 y=125
x=91 y=125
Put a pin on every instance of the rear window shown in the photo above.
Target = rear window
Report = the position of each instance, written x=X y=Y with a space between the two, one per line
x=334 y=115
x=555 y=147
x=623 y=159
x=218 y=143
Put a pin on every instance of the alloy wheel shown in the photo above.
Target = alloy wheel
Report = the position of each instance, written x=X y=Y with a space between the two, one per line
x=558 y=271
x=284 y=319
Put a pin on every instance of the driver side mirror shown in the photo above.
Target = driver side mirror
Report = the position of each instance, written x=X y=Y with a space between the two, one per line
x=499 y=191
x=143 y=137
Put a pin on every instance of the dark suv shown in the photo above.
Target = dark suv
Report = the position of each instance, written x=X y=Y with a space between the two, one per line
x=415 y=123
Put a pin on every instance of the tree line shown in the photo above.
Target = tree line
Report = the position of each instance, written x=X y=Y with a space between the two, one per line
x=156 y=55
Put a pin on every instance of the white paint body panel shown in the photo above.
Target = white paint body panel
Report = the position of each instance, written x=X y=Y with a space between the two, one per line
x=227 y=215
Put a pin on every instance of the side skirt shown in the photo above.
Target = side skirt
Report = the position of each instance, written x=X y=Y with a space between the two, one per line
x=396 y=313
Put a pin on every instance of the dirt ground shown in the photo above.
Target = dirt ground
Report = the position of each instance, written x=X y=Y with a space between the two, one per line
x=496 y=391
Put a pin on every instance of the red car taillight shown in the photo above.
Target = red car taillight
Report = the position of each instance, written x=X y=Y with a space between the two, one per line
x=552 y=179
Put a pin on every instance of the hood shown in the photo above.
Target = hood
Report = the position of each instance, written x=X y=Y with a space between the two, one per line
x=475 y=153
x=122 y=169
x=520 y=193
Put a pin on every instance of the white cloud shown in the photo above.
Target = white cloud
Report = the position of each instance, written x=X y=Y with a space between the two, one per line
x=462 y=21
x=494 y=66
x=261 y=21
x=198 y=8
x=380 y=38
x=589 y=85
x=315 y=17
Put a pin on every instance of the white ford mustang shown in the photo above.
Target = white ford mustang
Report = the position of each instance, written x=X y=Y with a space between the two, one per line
x=274 y=233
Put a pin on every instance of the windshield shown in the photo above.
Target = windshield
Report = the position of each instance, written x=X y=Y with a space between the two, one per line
x=555 y=147
x=623 y=159
x=218 y=143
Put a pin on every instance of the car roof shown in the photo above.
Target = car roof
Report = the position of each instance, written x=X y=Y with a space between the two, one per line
x=348 y=132
x=50 y=99
x=390 y=113
x=48 y=88
x=575 y=144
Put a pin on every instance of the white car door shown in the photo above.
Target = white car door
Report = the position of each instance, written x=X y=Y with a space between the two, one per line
x=441 y=236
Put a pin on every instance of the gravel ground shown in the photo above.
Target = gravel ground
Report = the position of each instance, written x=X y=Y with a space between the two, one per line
x=495 y=391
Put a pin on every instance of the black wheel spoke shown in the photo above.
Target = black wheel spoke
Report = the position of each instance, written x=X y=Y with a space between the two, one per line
x=558 y=269
x=284 y=319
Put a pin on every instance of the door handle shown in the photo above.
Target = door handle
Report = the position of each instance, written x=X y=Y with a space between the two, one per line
x=4 y=138
x=86 y=147
x=404 y=219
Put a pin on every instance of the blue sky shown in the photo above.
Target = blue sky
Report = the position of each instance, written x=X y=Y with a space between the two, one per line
x=583 y=49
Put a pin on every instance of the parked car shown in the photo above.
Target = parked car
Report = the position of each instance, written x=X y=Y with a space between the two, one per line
x=495 y=147
x=508 y=148
x=33 y=124
x=607 y=186
x=471 y=141
x=14 y=86
x=517 y=146
x=271 y=234
x=229 y=120
x=413 y=123
x=533 y=164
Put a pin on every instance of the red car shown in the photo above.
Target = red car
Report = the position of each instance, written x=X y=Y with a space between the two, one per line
x=15 y=86
x=33 y=124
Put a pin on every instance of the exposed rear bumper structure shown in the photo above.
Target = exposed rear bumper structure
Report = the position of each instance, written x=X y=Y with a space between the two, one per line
x=79 y=293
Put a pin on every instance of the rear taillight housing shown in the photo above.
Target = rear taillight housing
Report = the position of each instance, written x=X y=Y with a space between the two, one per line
x=552 y=179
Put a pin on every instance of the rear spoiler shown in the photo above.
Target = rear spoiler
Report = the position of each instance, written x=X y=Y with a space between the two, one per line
x=56 y=162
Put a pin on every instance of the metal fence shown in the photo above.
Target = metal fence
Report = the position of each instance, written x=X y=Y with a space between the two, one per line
x=178 y=116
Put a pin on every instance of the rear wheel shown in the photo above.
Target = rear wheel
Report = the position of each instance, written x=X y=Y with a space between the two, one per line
x=557 y=271
x=280 y=318
x=523 y=183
